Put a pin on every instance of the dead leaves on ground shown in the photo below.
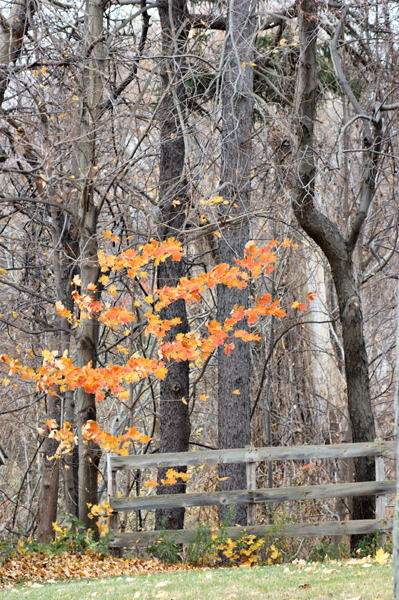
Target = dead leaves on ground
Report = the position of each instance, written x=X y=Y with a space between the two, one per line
x=41 y=568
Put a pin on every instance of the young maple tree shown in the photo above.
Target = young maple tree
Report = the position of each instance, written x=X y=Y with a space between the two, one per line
x=60 y=373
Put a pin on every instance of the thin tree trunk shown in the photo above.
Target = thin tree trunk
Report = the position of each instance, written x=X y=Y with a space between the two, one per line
x=339 y=251
x=174 y=413
x=65 y=255
x=50 y=477
x=395 y=553
x=89 y=453
x=237 y=115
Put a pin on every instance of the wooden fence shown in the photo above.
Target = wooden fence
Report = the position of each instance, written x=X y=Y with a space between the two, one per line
x=252 y=496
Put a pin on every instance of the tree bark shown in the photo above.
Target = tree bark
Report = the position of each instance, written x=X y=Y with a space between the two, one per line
x=339 y=251
x=395 y=552
x=237 y=116
x=174 y=413
x=65 y=255
x=12 y=33
x=50 y=477
x=89 y=453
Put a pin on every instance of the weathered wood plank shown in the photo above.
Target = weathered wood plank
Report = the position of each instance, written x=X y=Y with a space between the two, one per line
x=251 y=486
x=146 y=538
x=317 y=492
x=255 y=455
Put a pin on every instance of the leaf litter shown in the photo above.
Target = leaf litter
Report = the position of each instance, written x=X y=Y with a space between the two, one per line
x=42 y=568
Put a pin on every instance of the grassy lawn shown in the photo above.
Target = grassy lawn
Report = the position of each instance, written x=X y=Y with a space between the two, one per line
x=285 y=582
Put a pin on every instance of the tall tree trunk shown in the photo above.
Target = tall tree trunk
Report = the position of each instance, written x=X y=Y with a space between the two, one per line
x=339 y=251
x=395 y=553
x=65 y=255
x=237 y=115
x=89 y=453
x=175 y=422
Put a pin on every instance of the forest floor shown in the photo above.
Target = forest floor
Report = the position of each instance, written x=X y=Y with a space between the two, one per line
x=340 y=580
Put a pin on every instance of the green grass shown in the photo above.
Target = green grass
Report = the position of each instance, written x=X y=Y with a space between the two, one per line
x=284 y=582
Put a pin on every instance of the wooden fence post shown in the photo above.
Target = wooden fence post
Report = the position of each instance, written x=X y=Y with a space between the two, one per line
x=380 y=500
x=251 y=486
x=112 y=493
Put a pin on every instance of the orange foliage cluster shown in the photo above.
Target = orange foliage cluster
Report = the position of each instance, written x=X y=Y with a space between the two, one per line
x=61 y=372
x=91 y=431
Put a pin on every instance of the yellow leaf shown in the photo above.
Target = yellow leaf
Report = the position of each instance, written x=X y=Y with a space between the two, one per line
x=14 y=314
x=104 y=279
x=137 y=595
x=107 y=234
x=150 y=299
x=236 y=392
x=218 y=234
x=222 y=478
x=76 y=280
x=6 y=381
x=184 y=400
x=295 y=304
x=204 y=397
x=92 y=286
x=3 y=271
x=381 y=557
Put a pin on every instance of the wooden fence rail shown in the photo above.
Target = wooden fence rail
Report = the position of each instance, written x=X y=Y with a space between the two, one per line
x=252 y=496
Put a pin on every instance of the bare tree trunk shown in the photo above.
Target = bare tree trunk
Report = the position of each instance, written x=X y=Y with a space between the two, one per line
x=237 y=114
x=89 y=454
x=50 y=477
x=12 y=33
x=395 y=553
x=65 y=255
x=175 y=421
x=339 y=251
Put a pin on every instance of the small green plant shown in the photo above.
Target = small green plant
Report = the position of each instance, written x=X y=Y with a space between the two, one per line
x=323 y=550
x=70 y=536
x=368 y=545
x=165 y=548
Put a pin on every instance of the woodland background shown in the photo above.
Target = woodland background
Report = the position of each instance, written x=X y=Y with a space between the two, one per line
x=214 y=123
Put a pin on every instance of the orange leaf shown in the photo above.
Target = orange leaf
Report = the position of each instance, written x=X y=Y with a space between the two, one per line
x=151 y=484
x=228 y=348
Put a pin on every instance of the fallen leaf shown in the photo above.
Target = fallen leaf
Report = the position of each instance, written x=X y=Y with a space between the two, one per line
x=381 y=557
x=162 y=583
